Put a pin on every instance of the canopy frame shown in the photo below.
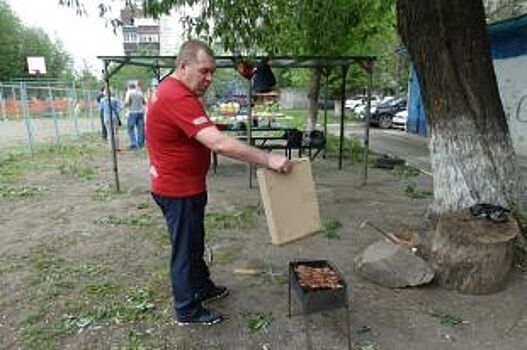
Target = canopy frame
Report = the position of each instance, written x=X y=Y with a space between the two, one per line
x=156 y=63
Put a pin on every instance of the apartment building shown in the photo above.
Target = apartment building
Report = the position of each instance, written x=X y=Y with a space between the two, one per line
x=140 y=35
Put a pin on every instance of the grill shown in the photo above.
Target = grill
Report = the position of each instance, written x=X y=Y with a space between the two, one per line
x=319 y=286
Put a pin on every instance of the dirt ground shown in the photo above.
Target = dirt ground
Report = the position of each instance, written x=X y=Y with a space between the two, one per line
x=82 y=267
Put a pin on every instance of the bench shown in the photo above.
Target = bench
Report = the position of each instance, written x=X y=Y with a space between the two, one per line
x=271 y=143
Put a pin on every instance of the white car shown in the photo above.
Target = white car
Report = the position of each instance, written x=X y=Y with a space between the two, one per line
x=351 y=104
x=400 y=120
x=360 y=109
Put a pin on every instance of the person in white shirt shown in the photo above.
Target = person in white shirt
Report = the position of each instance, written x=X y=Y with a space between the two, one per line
x=135 y=125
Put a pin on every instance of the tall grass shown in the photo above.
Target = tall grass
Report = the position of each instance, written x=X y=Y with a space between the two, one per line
x=71 y=157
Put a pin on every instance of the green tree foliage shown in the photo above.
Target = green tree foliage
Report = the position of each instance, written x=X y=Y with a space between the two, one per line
x=35 y=42
x=292 y=27
x=306 y=27
x=17 y=42
x=86 y=78
x=10 y=43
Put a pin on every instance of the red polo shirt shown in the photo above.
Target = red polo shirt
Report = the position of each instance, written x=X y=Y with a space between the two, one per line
x=178 y=162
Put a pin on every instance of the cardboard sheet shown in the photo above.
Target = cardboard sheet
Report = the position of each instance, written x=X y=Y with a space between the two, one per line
x=290 y=202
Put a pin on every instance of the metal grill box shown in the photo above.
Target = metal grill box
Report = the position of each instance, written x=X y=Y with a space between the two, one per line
x=317 y=299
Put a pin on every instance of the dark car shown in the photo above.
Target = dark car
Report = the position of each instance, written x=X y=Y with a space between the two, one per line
x=329 y=104
x=383 y=113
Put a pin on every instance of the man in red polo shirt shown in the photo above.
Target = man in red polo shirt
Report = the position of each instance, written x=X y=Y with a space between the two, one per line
x=180 y=137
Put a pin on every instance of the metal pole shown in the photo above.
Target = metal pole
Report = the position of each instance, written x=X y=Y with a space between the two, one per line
x=2 y=104
x=368 y=118
x=250 y=130
x=88 y=101
x=13 y=93
x=343 y=93
x=110 y=132
x=326 y=93
x=74 y=109
x=25 y=113
x=53 y=113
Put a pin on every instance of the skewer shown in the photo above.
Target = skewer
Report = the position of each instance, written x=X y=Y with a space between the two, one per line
x=388 y=235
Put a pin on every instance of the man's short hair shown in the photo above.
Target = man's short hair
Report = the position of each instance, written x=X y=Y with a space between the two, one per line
x=188 y=52
x=131 y=85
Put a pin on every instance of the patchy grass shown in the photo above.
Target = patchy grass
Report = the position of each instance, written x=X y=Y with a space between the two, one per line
x=331 y=229
x=61 y=303
x=236 y=219
x=72 y=158
x=76 y=168
x=227 y=255
x=413 y=192
x=352 y=149
x=101 y=288
x=447 y=319
x=143 y=205
x=137 y=219
x=258 y=322
x=134 y=340
x=521 y=248
x=136 y=304
x=153 y=226
x=69 y=158
x=520 y=215
x=20 y=191
x=365 y=346
x=406 y=171
x=105 y=192
x=12 y=163
x=61 y=215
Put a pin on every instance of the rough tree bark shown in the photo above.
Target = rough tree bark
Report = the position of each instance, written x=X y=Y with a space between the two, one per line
x=470 y=147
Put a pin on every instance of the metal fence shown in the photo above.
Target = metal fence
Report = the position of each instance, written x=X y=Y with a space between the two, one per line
x=32 y=112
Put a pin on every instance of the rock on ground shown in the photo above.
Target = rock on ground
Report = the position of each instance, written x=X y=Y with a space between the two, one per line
x=393 y=266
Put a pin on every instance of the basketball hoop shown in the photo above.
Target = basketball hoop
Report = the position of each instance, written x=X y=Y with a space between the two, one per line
x=36 y=65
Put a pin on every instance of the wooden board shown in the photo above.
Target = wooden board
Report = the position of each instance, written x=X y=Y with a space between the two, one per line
x=290 y=202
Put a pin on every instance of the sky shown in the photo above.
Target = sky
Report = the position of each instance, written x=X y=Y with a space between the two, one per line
x=84 y=37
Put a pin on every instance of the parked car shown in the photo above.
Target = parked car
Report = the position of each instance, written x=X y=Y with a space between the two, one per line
x=358 y=109
x=354 y=102
x=400 y=119
x=383 y=113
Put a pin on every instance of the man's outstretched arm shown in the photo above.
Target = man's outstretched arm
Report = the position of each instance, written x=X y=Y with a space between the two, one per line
x=227 y=146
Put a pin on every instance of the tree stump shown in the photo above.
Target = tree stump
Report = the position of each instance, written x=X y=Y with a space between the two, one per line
x=473 y=256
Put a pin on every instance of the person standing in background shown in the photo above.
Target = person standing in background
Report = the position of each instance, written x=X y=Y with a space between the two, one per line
x=135 y=101
x=100 y=96
x=112 y=109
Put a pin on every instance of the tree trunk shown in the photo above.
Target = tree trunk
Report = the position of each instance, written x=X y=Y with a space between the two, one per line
x=470 y=147
x=312 y=95
x=473 y=255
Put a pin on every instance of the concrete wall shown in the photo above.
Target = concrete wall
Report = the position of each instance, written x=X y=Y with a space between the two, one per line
x=170 y=34
x=511 y=74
